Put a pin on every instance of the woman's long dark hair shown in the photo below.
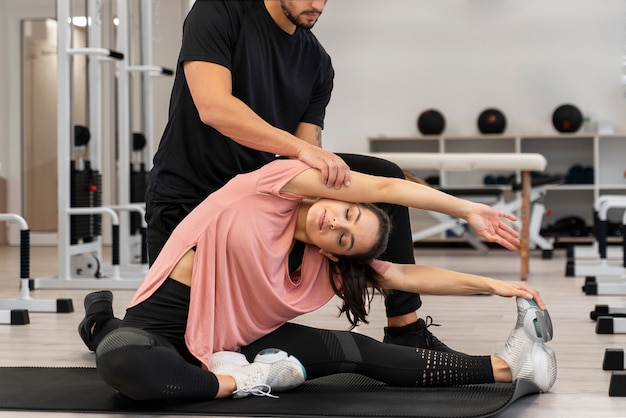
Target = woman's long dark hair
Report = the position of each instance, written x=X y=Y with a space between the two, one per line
x=357 y=276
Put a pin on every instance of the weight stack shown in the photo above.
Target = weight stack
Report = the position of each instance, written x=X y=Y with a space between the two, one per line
x=86 y=192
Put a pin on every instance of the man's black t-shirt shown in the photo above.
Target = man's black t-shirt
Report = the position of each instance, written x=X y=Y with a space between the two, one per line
x=285 y=79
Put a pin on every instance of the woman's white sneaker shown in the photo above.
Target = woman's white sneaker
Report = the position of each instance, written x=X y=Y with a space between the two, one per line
x=285 y=372
x=272 y=370
x=525 y=352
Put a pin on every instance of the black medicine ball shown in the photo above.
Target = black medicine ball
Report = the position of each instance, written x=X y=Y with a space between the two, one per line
x=431 y=122
x=567 y=118
x=491 y=121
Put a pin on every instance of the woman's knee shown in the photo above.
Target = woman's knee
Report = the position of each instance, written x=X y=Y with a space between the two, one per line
x=124 y=362
x=142 y=367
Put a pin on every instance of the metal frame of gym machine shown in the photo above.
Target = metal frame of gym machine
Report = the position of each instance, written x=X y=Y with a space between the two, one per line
x=115 y=277
x=124 y=112
x=16 y=311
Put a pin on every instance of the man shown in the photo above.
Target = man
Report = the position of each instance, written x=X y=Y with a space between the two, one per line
x=253 y=82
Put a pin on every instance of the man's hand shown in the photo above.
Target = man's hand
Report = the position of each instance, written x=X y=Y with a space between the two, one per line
x=335 y=172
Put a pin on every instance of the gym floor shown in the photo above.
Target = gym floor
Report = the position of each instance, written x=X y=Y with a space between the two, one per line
x=473 y=324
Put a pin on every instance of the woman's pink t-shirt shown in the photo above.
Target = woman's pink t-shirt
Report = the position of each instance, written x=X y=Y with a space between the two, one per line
x=241 y=289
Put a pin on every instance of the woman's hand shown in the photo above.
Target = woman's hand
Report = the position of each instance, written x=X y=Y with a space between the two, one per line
x=521 y=289
x=489 y=223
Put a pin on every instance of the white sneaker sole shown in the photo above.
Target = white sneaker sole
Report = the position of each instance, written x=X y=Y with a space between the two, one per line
x=537 y=322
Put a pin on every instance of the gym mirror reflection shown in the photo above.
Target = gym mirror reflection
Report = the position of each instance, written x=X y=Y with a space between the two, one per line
x=39 y=118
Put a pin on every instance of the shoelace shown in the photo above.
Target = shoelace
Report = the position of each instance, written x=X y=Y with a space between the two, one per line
x=251 y=387
x=429 y=336
x=261 y=389
x=429 y=322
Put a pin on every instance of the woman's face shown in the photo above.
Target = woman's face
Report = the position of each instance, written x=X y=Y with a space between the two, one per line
x=341 y=228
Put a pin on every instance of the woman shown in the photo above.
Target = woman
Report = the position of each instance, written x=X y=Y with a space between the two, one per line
x=223 y=284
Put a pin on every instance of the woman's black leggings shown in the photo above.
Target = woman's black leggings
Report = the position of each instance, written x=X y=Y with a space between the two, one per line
x=148 y=363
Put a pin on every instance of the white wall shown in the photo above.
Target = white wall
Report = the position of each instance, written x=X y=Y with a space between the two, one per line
x=395 y=58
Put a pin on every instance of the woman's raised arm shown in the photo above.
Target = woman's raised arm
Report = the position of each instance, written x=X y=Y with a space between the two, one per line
x=487 y=221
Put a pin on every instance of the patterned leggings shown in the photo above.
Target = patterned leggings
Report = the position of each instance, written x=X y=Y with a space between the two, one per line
x=146 y=362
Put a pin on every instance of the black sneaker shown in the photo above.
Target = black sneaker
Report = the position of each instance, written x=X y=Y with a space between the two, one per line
x=98 y=306
x=417 y=335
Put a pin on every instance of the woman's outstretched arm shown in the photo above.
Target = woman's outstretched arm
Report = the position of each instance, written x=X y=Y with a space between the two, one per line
x=437 y=281
x=485 y=220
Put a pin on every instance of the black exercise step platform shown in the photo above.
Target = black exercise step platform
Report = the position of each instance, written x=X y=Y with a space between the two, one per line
x=606 y=310
x=613 y=359
x=610 y=286
x=610 y=325
x=617 y=386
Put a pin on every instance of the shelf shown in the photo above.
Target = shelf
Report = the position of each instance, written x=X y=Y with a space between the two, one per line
x=612 y=187
x=570 y=187
x=564 y=136
x=604 y=154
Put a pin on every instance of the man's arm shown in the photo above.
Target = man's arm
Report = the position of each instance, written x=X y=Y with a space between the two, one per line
x=310 y=133
x=211 y=88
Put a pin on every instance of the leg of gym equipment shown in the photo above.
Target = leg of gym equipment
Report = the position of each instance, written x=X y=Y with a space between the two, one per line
x=115 y=281
x=610 y=325
x=457 y=226
x=537 y=192
x=603 y=267
x=583 y=252
x=607 y=310
x=609 y=285
x=613 y=359
x=25 y=303
x=140 y=211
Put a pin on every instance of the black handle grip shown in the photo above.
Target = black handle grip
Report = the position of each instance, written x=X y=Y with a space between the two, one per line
x=116 y=55
x=25 y=254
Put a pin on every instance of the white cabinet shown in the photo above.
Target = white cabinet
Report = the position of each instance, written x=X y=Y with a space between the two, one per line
x=599 y=161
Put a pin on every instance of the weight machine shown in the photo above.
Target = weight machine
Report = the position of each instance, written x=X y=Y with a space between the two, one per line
x=609 y=279
x=598 y=259
x=494 y=197
x=132 y=173
x=80 y=251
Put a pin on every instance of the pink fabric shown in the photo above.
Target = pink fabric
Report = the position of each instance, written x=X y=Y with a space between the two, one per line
x=241 y=289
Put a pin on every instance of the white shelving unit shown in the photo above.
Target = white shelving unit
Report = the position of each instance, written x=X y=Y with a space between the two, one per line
x=605 y=153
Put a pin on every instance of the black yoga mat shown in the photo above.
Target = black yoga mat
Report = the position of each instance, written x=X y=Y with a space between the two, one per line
x=344 y=395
